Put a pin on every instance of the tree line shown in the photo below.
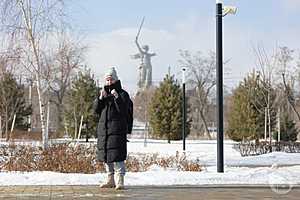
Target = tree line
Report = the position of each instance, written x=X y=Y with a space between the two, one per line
x=264 y=105
x=257 y=107
x=40 y=53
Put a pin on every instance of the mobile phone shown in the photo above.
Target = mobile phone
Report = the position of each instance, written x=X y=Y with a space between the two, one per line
x=107 y=89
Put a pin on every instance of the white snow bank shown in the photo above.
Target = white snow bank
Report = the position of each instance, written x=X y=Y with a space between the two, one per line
x=238 y=170
x=158 y=176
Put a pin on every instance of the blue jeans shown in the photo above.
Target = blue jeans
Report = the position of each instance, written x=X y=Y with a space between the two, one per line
x=118 y=167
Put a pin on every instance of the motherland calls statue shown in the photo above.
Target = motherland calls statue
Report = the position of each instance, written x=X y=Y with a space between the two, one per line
x=145 y=67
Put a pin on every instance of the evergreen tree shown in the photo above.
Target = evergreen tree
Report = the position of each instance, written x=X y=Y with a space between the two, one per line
x=80 y=103
x=165 y=111
x=288 y=129
x=247 y=113
x=242 y=122
x=12 y=102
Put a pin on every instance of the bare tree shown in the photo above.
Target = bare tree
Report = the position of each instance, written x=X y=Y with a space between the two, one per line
x=9 y=58
x=288 y=73
x=267 y=100
x=32 y=22
x=297 y=74
x=201 y=76
x=12 y=101
x=290 y=96
x=67 y=60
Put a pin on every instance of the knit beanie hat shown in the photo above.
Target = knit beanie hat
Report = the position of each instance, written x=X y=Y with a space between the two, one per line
x=111 y=72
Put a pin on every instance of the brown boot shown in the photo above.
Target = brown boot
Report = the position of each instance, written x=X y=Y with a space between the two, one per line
x=120 y=183
x=110 y=182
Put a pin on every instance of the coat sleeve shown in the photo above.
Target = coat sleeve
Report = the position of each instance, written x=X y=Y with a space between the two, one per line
x=98 y=105
x=123 y=106
x=121 y=103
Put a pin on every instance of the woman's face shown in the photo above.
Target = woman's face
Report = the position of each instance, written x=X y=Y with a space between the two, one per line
x=109 y=81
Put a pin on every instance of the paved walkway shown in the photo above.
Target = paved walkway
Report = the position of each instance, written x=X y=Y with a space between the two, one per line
x=149 y=193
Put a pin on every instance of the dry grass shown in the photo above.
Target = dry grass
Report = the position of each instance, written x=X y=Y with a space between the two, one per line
x=143 y=162
x=58 y=158
x=67 y=158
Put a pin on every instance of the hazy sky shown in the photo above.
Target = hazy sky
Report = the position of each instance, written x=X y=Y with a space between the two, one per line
x=109 y=28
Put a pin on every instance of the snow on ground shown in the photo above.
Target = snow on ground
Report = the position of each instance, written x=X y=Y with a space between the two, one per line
x=206 y=152
x=274 y=168
x=159 y=177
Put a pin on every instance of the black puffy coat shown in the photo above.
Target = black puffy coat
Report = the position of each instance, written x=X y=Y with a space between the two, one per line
x=112 y=128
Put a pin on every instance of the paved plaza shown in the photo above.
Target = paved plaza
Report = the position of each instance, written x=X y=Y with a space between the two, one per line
x=150 y=193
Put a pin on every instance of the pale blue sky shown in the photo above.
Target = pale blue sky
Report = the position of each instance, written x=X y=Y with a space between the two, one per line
x=110 y=27
x=99 y=15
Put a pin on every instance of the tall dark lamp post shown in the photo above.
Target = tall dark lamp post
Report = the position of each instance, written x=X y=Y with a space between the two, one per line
x=183 y=109
x=220 y=13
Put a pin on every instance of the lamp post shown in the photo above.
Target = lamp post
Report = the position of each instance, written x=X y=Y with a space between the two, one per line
x=219 y=63
x=183 y=109
x=220 y=13
x=30 y=81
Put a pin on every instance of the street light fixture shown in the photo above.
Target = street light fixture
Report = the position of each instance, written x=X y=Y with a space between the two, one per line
x=220 y=13
x=229 y=10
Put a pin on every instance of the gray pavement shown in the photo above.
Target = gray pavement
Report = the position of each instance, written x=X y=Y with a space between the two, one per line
x=230 y=192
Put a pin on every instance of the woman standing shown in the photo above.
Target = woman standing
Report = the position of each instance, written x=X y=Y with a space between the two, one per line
x=112 y=106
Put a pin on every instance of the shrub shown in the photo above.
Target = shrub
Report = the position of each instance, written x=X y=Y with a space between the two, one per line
x=69 y=158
